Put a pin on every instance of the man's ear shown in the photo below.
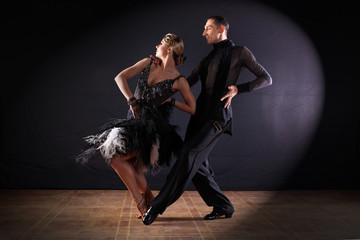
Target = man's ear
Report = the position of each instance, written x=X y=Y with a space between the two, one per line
x=222 y=29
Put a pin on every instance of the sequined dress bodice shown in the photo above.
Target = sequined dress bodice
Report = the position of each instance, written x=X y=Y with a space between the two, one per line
x=154 y=94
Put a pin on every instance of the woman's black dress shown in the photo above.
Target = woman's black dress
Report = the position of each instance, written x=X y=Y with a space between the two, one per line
x=151 y=135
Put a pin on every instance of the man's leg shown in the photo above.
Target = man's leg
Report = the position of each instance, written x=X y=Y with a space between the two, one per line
x=210 y=192
x=193 y=154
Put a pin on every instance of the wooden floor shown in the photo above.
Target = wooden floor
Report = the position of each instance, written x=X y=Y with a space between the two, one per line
x=110 y=214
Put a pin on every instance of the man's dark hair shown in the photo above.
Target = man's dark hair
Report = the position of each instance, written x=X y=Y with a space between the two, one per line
x=220 y=21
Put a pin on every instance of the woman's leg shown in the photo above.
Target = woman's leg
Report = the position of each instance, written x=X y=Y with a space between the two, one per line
x=128 y=175
x=144 y=188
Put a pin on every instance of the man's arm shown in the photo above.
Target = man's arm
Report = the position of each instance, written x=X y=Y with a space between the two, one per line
x=194 y=76
x=263 y=78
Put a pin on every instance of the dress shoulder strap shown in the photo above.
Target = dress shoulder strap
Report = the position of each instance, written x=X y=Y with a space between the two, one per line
x=178 y=77
x=149 y=64
x=147 y=69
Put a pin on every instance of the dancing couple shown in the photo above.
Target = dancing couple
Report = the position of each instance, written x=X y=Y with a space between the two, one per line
x=146 y=140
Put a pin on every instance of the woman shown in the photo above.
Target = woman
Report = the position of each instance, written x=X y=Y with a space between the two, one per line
x=145 y=140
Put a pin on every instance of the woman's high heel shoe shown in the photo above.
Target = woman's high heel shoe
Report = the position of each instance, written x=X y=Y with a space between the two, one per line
x=149 y=197
x=142 y=207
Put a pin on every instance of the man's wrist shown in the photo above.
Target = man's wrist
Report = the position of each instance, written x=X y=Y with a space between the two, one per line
x=172 y=102
x=244 y=87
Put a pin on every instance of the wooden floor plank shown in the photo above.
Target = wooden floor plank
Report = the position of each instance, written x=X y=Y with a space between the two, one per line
x=110 y=214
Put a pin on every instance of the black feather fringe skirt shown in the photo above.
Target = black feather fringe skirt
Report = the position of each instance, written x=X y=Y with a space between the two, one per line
x=151 y=136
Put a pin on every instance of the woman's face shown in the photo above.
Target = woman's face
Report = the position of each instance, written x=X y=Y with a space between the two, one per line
x=161 y=49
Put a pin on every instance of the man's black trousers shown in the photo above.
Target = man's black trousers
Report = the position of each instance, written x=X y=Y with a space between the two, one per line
x=193 y=165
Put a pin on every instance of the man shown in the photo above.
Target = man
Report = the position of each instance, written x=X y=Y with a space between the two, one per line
x=218 y=73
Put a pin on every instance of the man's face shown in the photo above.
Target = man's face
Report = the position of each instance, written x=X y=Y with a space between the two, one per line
x=211 y=32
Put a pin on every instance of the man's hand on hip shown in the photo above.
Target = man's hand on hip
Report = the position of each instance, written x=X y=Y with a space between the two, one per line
x=233 y=91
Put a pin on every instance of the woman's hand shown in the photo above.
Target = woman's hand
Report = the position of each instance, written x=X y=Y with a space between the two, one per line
x=135 y=109
x=156 y=61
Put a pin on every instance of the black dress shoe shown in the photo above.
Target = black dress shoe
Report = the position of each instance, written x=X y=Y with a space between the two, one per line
x=216 y=214
x=150 y=216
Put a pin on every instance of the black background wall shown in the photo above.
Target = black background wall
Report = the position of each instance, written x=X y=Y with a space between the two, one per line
x=60 y=58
